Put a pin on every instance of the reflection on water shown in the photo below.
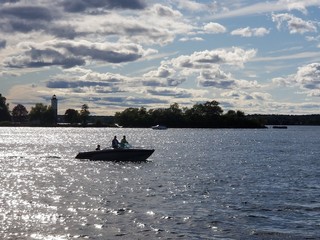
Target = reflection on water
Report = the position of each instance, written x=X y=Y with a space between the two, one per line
x=199 y=184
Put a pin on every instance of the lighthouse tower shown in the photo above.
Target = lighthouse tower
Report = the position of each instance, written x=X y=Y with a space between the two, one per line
x=54 y=106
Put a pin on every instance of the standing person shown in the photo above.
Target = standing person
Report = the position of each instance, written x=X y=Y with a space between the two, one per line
x=124 y=142
x=115 y=142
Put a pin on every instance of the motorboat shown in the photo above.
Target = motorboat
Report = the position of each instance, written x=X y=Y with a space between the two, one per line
x=118 y=154
x=159 y=127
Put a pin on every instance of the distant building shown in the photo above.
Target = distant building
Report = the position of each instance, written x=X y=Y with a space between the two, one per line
x=54 y=106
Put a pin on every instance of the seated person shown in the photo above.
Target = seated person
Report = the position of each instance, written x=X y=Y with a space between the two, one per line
x=115 y=142
x=98 y=147
x=124 y=143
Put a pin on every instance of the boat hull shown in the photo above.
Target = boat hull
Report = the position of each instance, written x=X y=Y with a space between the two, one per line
x=117 y=155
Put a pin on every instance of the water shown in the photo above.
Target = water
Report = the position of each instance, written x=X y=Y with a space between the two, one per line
x=199 y=184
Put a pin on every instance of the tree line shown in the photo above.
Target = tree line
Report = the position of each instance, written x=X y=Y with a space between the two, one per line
x=201 y=115
x=40 y=114
x=282 y=119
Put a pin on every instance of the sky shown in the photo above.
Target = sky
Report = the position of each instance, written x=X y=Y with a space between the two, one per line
x=259 y=57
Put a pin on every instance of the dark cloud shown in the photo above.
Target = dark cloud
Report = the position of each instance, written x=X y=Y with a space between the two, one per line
x=74 y=84
x=308 y=76
x=152 y=83
x=215 y=78
x=173 y=82
x=108 y=55
x=3 y=43
x=70 y=54
x=143 y=101
x=227 y=105
x=115 y=99
x=108 y=90
x=10 y=1
x=27 y=13
x=83 y=5
x=63 y=31
x=36 y=58
x=171 y=93
x=216 y=83
x=26 y=18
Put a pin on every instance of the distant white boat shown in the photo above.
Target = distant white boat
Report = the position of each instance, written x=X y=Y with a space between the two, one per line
x=159 y=127
x=280 y=127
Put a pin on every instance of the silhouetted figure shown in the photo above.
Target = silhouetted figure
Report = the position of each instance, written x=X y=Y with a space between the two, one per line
x=115 y=142
x=124 y=143
x=98 y=148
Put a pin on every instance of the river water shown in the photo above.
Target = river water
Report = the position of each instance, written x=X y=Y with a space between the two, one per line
x=198 y=184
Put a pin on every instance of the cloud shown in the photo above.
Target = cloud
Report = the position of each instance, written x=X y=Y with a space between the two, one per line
x=242 y=95
x=214 y=28
x=35 y=58
x=205 y=59
x=298 y=5
x=215 y=78
x=73 y=84
x=176 y=93
x=68 y=54
x=83 y=5
x=27 y=13
x=185 y=39
x=88 y=81
x=3 y=43
x=294 y=24
x=265 y=7
x=25 y=18
x=218 y=79
x=157 y=24
x=306 y=78
x=249 y=32
x=165 y=11
x=191 y=5
x=207 y=65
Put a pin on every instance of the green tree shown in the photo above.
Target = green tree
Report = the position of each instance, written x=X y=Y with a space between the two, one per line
x=42 y=114
x=84 y=114
x=171 y=117
x=4 y=109
x=72 y=116
x=19 y=113
x=132 y=117
x=212 y=108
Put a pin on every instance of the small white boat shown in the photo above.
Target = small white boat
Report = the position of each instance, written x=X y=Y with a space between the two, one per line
x=280 y=127
x=159 y=127
x=119 y=154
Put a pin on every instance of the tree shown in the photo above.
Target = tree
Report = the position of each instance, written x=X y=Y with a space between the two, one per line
x=42 y=114
x=84 y=114
x=19 y=113
x=212 y=108
x=72 y=116
x=133 y=117
x=4 y=109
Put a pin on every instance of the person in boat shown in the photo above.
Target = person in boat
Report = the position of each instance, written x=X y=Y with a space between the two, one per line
x=98 y=148
x=124 y=143
x=115 y=142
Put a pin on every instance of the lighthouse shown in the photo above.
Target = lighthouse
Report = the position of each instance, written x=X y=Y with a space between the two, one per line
x=54 y=106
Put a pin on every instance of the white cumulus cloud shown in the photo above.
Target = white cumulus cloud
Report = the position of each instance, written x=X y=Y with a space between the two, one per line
x=250 y=32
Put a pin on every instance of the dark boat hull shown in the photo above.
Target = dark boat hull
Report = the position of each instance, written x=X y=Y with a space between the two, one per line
x=117 y=155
